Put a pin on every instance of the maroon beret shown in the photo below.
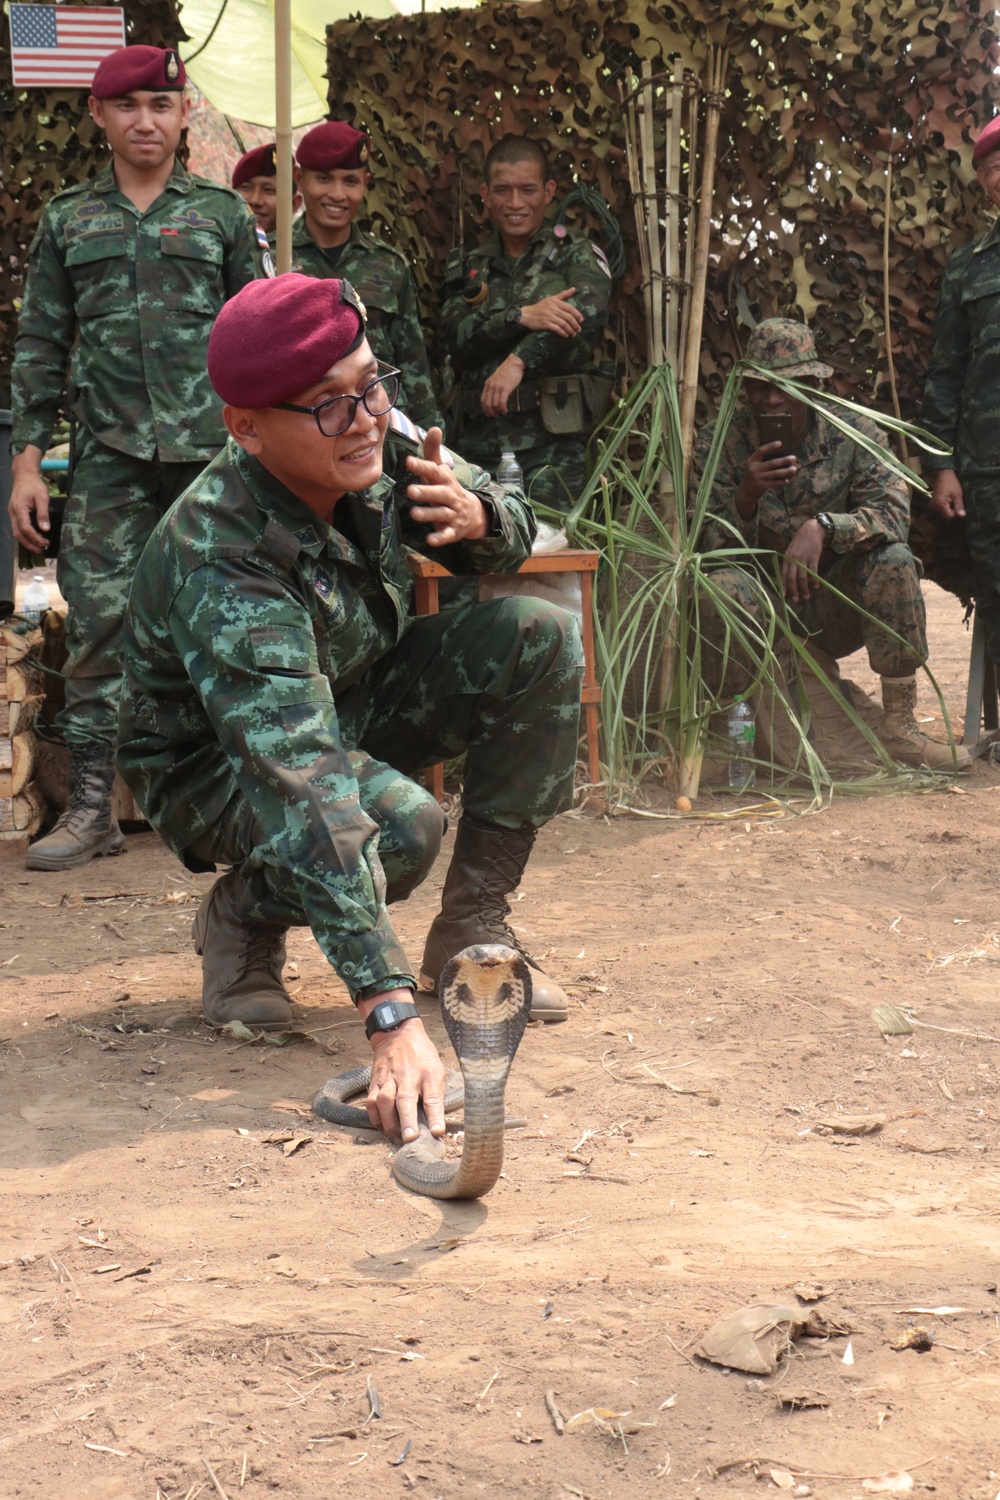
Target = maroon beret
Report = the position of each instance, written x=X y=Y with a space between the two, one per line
x=331 y=145
x=261 y=162
x=279 y=336
x=139 y=67
x=988 y=140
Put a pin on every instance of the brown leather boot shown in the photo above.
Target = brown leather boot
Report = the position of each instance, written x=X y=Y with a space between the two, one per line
x=241 y=962
x=486 y=866
x=88 y=827
x=905 y=740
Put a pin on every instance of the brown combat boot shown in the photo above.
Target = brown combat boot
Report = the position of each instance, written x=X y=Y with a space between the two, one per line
x=241 y=962
x=905 y=740
x=486 y=866
x=88 y=827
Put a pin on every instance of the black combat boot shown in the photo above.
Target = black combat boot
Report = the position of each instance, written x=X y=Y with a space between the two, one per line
x=88 y=827
x=241 y=961
x=485 y=868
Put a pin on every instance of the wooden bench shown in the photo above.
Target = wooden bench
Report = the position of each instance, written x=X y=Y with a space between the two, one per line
x=426 y=574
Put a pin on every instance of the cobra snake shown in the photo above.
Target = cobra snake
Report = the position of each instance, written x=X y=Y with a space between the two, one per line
x=485 y=998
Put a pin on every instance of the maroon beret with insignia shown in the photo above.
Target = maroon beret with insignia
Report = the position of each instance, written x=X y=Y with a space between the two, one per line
x=277 y=337
x=333 y=145
x=261 y=162
x=127 y=69
x=988 y=140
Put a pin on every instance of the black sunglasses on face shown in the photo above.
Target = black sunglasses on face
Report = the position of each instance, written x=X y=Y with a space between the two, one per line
x=336 y=414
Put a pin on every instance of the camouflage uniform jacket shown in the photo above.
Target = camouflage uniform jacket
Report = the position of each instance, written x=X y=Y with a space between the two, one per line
x=248 y=616
x=480 y=337
x=962 y=393
x=868 y=505
x=383 y=280
x=125 y=300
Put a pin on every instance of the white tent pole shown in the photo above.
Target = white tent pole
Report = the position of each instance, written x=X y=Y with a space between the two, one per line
x=283 y=134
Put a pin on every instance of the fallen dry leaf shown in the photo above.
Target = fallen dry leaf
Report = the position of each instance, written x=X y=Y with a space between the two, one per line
x=782 y=1478
x=594 y=1414
x=920 y=1339
x=890 y=1484
x=754 y=1338
x=803 y=1400
x=853 y=1124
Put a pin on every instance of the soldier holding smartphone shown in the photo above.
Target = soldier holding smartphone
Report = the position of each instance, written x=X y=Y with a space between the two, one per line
x=791 y=482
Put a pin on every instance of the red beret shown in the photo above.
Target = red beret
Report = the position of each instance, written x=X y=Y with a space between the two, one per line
x=277 y=337
x=261 y=162
x=331 y=145
x=129 y=68
x=988 y=140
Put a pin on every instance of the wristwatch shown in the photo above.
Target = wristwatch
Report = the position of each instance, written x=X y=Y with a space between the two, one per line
x=389 y=1015
x=513 y=316
x=827 y=524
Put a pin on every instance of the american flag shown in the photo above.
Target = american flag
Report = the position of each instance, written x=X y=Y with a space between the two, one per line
x=60 y=46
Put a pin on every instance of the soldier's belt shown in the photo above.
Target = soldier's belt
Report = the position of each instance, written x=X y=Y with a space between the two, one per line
x=527 y=397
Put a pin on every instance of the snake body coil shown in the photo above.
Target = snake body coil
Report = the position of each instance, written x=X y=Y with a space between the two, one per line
x=485 y=999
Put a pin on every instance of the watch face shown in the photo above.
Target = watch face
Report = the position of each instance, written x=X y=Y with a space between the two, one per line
x=385 y=1015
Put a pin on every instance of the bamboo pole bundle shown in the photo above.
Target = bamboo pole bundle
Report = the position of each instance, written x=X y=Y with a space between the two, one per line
x=718 y=62
x=886 y=305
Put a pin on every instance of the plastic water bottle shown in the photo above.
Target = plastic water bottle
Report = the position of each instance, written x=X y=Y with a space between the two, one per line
x=740 y=728
x=509 y=472
x=36 y=599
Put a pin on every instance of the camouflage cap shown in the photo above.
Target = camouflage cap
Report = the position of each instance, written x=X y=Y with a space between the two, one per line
x=787 y=347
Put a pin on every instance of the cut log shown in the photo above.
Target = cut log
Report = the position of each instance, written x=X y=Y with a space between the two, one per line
x=20 y=815
x=16 y=642
x=22 y=681
x=18 y=717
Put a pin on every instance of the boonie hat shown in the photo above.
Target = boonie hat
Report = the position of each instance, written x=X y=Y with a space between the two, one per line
x=279 y=336
x=139 y=67
x=262 y=161
x=333 y=145
x=787 y=347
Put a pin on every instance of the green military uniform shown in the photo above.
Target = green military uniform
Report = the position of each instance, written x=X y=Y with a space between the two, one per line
x=550 y=415
x=962 y=407
x=279 y=695
x=867 y=557
x=125 y=301
x=383 y=280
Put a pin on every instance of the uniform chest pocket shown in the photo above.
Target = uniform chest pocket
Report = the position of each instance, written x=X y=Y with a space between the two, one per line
x=190 y=270
x=100 y=273
x=381 y=299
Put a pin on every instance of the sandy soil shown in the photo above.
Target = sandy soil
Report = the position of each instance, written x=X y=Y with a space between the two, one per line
x=195 y=1273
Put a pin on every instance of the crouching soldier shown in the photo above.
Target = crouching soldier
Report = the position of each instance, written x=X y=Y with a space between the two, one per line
x=280 y=695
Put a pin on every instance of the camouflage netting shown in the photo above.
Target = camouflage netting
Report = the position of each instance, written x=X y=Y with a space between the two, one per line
x=48 y=141
x=816 y=91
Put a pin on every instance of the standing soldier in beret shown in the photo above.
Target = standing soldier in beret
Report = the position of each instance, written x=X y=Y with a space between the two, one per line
x=332 y=176
x=280 y=694
x=962 y=394
x=255 y=179
x=524 y=319
x=127 y=273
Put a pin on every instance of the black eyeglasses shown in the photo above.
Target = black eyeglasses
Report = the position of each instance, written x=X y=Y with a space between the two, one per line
x=335 y=415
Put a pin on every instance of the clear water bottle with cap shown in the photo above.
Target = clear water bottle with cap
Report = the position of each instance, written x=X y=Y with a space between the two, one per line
x=740 y=728
x=36 y=599
x=509 y=472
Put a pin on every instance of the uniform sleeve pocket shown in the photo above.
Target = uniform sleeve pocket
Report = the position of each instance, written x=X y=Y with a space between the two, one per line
x=289 y=652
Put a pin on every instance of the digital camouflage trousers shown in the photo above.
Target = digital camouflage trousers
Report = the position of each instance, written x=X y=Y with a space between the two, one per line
x=115 y=502
x=883 y=582
x=498 y=682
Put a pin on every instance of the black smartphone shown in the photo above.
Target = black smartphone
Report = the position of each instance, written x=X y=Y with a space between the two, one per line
x=774 y=427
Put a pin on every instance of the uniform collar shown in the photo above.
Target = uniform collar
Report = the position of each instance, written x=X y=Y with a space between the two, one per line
x=277 y=501
x=990 y=238
x=493 y=246
x=302 y=235
x=104 y=184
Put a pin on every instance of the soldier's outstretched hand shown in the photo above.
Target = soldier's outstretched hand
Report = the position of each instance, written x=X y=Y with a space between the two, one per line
x=455 y=513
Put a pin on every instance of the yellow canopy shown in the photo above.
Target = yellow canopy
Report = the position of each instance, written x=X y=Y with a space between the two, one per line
x=235 y=72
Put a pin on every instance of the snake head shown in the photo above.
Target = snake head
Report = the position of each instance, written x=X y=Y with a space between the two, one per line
x=485 y=1000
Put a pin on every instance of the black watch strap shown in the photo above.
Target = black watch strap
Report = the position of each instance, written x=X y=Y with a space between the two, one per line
x=388 y=1015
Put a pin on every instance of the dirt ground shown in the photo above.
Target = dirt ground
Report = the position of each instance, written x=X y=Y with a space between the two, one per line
x=203 y=1288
